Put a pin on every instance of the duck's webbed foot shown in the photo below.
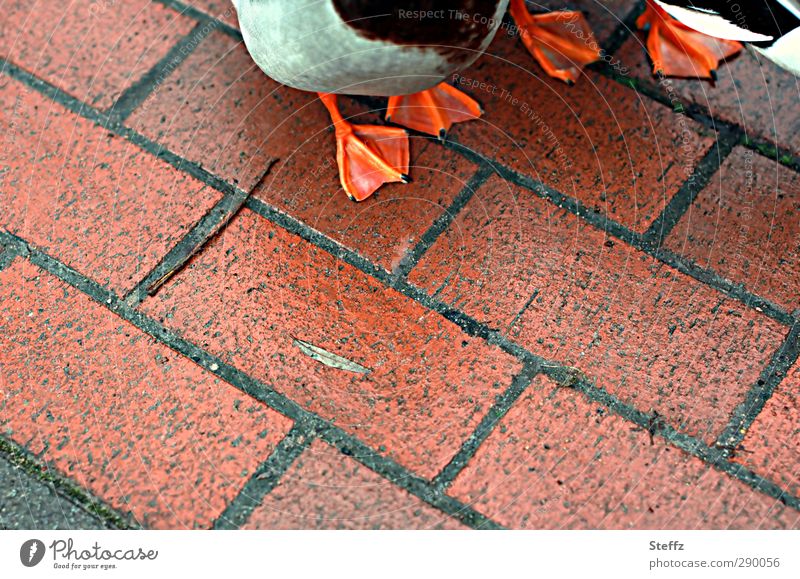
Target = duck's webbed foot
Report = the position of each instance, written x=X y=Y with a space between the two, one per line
x=433 y=111
x=368 y=155
x=561 y=42
x=677 y=50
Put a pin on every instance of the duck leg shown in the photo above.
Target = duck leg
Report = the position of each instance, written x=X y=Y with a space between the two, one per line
x=561 y=42
x=433 y=111
x=677 y=50
x=368 y=155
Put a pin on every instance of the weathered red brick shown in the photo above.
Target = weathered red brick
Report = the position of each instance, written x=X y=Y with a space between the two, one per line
x=306 y=186
x=326 y=490
x=617 y=152
x=744 y=226
x=89 y=198
x=559 y=461
x=219 y=110
x=138 y=425
x=650 y=335
x=772 y=444
x=91 y=49
x=751 y=92
x=220 y=9
x=603 y=17
x=234 y=119
x=256 y=289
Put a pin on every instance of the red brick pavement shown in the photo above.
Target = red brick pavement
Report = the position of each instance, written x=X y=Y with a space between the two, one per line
x=651 y=336
x=91 y=50
x=556 y=461
x=324 y=490
x=87 y=197
x=503 y=342
x=155 y=434
x=744 y=226
x=771 y=445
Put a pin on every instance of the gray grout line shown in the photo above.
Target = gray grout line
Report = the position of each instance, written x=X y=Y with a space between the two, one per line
x=192 y=12
x=41 y=470
x=252 y=387
x=768 y=150
x=265 y=478
x=7 y=255
x=402 y=478
x=603 y=223
x=440 y=225
x=701 y=114
x=734 y=290
x=676 y=208
x=496 y=413
x=143 y=88
x=624 y=29
x=183 y=251
x=106 y=122
x=558 y=371
x=713 y=456
x=746 y=413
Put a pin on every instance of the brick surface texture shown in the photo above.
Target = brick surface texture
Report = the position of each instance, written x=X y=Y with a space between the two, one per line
x=93 y=50
x=93 y=200
x=552 y=326
x=326 y=490
x=257 y=290
x=137 y=424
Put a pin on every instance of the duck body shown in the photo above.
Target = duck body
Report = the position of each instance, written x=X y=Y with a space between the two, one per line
x=367 y=47
x=771 y=27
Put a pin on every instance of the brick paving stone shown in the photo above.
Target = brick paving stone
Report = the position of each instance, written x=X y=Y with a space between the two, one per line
x=559 y=461
x=91 y=49
x=751 y=92
x=220 y=9
x=603 y=17
x=138 y=425
x=306 y=186
x=219 y=110
x=256 y=289
x=617 y=152
x=744 y=226
x=648 y=334
x=772 y=444
x=234 y=119
x=326 y=490
x=91 y=199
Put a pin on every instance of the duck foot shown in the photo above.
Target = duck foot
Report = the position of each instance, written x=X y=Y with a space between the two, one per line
x=677 y=50
x=433 y=111
x=561 y=42
x=368 y=155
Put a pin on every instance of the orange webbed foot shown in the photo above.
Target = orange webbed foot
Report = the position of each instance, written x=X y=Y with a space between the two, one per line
x=677 y=50
x=368 y=155
x=561 y=42
x=433 y=111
